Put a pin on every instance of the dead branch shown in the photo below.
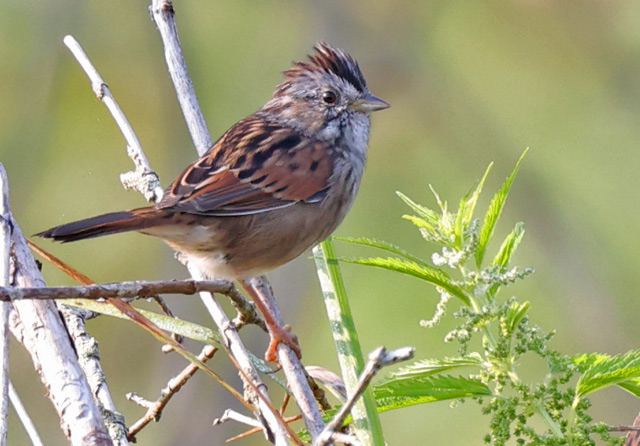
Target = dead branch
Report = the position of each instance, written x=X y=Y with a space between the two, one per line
x=143 y=179
x=154 y=409
x=163 y=15
x=377 y=359
x=5 y=307
x=117 y=289
x=45 y=337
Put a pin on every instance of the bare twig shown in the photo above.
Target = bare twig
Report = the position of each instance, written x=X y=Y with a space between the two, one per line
x=377 y=359
x=254 y=387
x=154 y=409
x=143 y=179
x=235 y=416
x=25 y=419
x=5 y=307
x=162 y=13
x=290 y=363
x=118 y=289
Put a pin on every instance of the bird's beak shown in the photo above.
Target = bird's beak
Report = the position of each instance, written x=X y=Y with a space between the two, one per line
x=368 y=103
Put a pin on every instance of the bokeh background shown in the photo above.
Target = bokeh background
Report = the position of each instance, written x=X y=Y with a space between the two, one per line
x=469 y=83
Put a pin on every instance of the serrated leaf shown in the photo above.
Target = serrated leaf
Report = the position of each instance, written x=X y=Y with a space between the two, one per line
x=586 y=360
x=493 y=213
x=397 y=394
x=466 y=207
x=615 y=369
x=632 y=386
x=385 y=246
x=471 y=199
x=428 y=367
x=514 y=315
x=509 y=246
x=432 y=389
x=423 y=211
x=432 y=275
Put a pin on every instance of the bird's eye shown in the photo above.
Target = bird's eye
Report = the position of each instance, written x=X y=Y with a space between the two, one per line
x=329 y=97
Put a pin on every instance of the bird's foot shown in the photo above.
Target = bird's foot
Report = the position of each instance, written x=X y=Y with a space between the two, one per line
x=279 y=334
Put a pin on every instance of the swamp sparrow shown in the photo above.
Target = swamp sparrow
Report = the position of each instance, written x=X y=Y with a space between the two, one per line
x=274 y=184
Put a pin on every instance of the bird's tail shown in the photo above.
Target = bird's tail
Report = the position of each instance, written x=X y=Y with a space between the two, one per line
x=100 y=225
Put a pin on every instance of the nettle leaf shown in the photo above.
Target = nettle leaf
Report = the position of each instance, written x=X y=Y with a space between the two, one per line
x=509 y=246
x=493 y=213
x=385 y=246
x=586 y=360
x=395 y=394
x=609 y=371
x=430 y=274
x=423 y=211
x=467 y=207
x=514 y=315
x=428 y=367
x=632 y=386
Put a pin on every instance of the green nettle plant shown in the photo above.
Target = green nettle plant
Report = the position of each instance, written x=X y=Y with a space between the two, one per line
x=494 y=334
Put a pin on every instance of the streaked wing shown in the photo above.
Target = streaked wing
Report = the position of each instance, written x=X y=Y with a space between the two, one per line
x=255 y=167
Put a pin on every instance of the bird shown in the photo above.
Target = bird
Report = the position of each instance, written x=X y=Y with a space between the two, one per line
x=274 y=184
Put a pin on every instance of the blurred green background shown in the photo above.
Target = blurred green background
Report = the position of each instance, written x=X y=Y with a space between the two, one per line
x=469 y=83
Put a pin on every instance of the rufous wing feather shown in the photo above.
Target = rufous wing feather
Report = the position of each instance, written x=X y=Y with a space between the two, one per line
x=244 y=173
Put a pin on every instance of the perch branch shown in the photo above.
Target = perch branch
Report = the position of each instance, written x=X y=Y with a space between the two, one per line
x=163 y=15
x=117 y=289
x=248 y=373
x=377 y=359
x=291 y=366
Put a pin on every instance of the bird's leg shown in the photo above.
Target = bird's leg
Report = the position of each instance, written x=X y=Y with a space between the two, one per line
x=277 y=332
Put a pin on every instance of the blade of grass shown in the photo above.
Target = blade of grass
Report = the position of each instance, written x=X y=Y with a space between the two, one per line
x=366 y=421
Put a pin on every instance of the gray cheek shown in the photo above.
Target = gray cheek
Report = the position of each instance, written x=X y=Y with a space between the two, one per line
x=330 y=132
x=356 y=135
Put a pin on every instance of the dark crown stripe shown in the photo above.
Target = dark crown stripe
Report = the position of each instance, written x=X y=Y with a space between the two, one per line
x=333 y=60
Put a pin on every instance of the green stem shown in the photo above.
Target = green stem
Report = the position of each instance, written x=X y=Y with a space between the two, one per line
x=365 y=416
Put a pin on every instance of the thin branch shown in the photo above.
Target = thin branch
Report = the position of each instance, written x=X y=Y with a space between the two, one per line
x=24 y=417
x=258 y=395
x=5 y=307
x=86 y=347
x=163 y=13
x=154 y=409
x=143 y=179
x=377 y=359
x=291 y=366
x=117 y=289
x=229 y=415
